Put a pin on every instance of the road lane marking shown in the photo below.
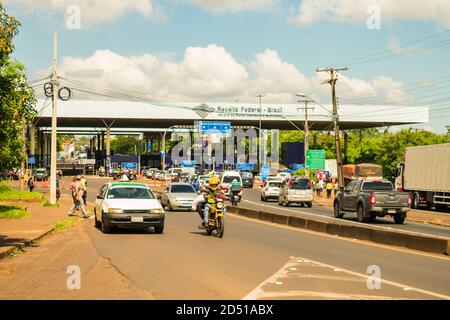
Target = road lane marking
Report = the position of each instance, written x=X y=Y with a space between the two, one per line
x=362 y=242
x=276 y=278
x=348 y=221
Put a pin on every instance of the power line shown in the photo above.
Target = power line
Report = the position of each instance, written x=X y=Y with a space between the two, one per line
x=350 y=61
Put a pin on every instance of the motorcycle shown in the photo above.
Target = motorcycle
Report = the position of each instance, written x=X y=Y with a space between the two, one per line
x=216 y=217
x=234 y=198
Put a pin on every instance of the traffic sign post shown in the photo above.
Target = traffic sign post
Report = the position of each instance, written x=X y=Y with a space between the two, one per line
x=315 y=159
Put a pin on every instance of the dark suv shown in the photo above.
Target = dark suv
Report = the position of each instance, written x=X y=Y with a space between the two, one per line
x=247 y=179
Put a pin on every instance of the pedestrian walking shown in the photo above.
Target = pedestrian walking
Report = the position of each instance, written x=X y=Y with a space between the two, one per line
x=31 y=183
x=83 y=181
x=336 y=188
x=329 y=188
x=77 y=194
x=318 y=188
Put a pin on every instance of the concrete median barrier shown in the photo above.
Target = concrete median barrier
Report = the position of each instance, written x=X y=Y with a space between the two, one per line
x=396 y=238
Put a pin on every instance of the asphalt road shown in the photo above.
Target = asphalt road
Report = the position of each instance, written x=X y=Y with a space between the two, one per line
x=251 y=199
x=257 y=260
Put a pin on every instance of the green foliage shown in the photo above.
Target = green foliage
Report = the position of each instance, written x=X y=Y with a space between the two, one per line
x=13 y=212
x=125 y=145
x=370 y=145
x=16 y=96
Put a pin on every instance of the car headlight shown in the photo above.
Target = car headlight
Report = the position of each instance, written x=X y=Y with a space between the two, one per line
x=157 y=211
x=115 y=210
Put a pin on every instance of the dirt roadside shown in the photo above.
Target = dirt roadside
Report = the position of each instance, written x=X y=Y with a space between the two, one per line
x=41 y=272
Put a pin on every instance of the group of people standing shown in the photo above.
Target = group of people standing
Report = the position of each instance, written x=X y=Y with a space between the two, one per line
x=78 y=189
x=326 y=185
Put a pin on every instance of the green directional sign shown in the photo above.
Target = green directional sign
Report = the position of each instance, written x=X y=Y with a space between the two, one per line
x=315 y=159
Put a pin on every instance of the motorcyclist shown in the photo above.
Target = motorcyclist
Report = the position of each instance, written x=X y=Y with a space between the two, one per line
x=211 y=192
x=235 y=186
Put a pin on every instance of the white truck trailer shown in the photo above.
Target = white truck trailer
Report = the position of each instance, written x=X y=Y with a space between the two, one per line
x=425 y=173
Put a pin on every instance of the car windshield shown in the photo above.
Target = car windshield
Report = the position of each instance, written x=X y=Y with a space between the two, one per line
x=378 y=185
x=230 y=179
x=182 y=188
x=130 y=193
x=40 y=171
x=300 y=184
x=275 y=184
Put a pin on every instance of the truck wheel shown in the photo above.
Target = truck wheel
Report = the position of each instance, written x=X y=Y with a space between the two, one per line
x=309 y=204
x=400 y=218
x=372 y=218
x=416 y=201
x=337 y=210
x=361 y=214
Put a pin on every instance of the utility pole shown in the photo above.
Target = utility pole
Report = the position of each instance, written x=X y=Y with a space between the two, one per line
x=333 y=79
x=260 y=96
x=55 y=85
x=306 y=128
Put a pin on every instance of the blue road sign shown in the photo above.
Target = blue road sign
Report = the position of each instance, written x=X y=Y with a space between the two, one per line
x=188 y=164
x=297 y=166
x=129 y=165
x=265 y=171
x=244 y=166
x=32 y=160
x=207 y=127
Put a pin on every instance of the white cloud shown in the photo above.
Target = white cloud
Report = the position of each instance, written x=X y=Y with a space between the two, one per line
x=213 y=74
x=92 y=11
x=356 y=11
x=218 y=6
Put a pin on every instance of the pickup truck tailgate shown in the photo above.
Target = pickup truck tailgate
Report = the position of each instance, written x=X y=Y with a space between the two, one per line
x=392 y=199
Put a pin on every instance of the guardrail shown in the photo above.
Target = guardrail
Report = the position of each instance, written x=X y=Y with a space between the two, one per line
x=404 y=239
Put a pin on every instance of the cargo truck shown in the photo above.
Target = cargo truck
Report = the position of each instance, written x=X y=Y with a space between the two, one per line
x=425 y=173
x=364 y=170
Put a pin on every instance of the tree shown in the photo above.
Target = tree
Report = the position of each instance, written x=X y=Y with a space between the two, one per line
x=17 y=98
x=125 y=145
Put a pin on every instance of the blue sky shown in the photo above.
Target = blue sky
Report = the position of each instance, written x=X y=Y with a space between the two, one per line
x=243 y=34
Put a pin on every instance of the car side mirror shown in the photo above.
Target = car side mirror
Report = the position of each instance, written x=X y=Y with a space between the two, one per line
x=100 y=197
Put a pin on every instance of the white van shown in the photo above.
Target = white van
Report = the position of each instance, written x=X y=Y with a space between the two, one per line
x=227 y=178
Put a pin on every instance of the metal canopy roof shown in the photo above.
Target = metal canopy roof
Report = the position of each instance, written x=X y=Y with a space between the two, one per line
x=132 y=115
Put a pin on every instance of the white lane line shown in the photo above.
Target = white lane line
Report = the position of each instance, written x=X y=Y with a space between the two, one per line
x=255 y=293
x=259 y=292
x=348 y=221
x=362 y=242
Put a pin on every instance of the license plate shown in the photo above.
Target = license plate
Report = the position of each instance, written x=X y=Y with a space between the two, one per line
x=137 y=219
x=392 y=211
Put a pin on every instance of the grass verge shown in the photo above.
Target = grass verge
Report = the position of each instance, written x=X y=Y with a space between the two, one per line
x=66 y=224
x=13 y=212
x=47 y=204
x=8 y=194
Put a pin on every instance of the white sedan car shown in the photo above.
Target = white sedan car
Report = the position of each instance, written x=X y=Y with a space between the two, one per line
x=271 y=190
x=126 y=204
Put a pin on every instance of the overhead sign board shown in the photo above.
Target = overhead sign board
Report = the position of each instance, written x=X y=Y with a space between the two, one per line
x=210 y=127
x=32 y=160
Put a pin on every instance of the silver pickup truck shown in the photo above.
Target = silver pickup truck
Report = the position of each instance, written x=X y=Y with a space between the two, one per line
x=371 y=199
